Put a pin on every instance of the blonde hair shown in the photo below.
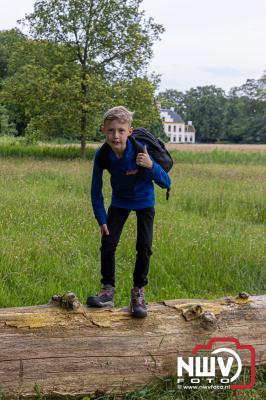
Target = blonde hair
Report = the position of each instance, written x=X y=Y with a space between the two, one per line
x=119 y=112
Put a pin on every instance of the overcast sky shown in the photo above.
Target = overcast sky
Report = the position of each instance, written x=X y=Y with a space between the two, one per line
x=219 y=42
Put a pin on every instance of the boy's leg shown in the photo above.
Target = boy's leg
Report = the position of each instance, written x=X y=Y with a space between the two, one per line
x=145 y=218
x=116 y=219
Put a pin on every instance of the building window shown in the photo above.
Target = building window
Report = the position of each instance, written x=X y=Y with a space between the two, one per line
x=185 y=138
x=186 y=129
x=174 y=128
x=180 y=138
x=180 y=129
x=169 y=128
x=191 y=138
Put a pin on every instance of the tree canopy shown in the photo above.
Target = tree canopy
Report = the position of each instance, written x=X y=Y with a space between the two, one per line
x=110 y=40
x=104 y=35
x=239 y=117
x=81 y=57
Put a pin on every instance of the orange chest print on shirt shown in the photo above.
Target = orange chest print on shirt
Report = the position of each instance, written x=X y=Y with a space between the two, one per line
x=132 y=172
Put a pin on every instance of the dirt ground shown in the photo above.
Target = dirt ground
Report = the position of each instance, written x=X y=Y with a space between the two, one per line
x=210 y=147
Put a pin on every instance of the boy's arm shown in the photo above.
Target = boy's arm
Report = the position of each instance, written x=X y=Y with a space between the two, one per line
x=159 y=175
x=97 y=199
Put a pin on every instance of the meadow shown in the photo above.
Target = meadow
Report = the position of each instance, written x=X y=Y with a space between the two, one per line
x=209 y=237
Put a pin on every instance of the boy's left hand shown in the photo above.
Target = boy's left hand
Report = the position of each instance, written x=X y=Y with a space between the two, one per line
x=143 y=159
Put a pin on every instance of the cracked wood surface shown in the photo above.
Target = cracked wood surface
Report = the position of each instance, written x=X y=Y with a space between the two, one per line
x=87 y=350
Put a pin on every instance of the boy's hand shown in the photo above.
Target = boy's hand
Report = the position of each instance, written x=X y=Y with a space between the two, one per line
x=143 y=159
x=104 y=229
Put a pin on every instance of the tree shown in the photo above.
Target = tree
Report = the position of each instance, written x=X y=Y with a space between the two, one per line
x=41 y=89
x=50 y=100
x=234 y=122
x=139 y=95
x=261 y=88
x=9 y=41
x=205 y=107
x=107 y=38
x=247 y=110
x=173 y=98
x=44 y=84
x=6 y=127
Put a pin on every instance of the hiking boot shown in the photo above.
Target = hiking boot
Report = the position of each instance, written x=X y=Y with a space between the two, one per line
x=138 y=306
x=105 y=298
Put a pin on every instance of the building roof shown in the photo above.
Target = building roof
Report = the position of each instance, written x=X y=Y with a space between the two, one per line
x=173 y=114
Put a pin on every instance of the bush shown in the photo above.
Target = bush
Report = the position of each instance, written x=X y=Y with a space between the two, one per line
x=6 y=127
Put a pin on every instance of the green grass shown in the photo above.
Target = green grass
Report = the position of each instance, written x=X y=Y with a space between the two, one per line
x=209 y=238
x=166 y=389
x=18 y=147
x=220 y=157
x=40 y=152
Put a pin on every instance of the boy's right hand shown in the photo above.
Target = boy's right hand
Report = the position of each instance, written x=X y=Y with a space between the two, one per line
x=104 y=229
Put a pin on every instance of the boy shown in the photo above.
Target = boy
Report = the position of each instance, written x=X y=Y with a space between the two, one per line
x=132 y=189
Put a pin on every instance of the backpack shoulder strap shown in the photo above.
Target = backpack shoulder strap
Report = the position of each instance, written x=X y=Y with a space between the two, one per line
x=146 y=136
x=103 y=156
x=138 y=148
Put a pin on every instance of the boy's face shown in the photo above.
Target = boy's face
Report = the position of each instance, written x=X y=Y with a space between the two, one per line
x=116 y=133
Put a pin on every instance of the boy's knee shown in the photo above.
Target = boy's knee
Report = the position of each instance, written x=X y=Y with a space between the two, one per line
x=144 y=248
x=108 y=244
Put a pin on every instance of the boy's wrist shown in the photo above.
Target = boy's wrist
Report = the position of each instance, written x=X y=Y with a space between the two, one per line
x=150 y=168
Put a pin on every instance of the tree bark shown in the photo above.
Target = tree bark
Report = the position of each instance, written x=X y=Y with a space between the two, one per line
x=88 y=350
x=83 y=146
x=84 y=116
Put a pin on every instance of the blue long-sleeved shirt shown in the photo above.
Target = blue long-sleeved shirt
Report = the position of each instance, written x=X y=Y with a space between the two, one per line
x=132 y=185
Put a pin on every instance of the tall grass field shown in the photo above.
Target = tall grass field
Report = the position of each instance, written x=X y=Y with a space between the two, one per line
x=209 y=237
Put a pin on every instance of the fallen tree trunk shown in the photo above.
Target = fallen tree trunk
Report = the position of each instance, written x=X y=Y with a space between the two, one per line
x=90 y=350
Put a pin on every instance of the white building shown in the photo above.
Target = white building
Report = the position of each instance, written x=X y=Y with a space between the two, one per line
x=175 y=128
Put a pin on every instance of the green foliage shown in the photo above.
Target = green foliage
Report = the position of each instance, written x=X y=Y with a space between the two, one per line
x=138 y=95
x=239 y=117
x=6 y=127
x=24 y=147
x=28 y=149
x=166 y=389
x=205 y=107
x=104 y=35
x=85 y=57
x=32 y=134
x=173 y=98
x=213 y=224
x=107 y=41
x=245 y=116
x=82 y=56
x=9 y=41
x=220 y=157
x=157 y=129
x=46 y=86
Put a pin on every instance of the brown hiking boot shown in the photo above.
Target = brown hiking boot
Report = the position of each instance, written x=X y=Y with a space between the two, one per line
x=105 y=298
x=138 y=306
